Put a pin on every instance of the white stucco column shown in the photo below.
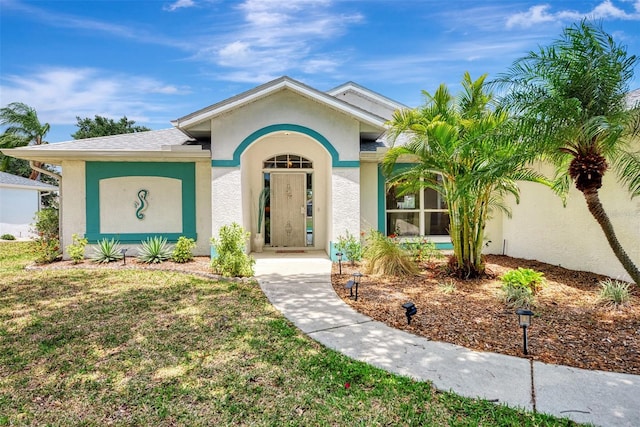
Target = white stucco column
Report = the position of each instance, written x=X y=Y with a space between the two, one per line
x=226 y=197
x=345 y=202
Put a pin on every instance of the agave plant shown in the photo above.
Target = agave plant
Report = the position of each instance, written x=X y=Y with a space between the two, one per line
x=154 y=250
x=108 y=250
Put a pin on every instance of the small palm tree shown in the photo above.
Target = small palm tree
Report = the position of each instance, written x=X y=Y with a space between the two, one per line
x=22 y=128
x=461 y=148
x=571 y=101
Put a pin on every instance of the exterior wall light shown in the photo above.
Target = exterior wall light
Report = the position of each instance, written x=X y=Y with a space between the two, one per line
x=339 y=255
x=524 y=320
x=411 y=310
x=355 y=282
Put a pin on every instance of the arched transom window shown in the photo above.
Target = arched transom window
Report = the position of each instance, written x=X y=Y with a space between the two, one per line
x=287 y=161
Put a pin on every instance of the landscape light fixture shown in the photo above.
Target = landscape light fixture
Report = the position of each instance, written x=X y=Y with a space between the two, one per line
x=411 y=310
x=124 y=256
x=524 y=320
x=355 y=282
x=339 y=255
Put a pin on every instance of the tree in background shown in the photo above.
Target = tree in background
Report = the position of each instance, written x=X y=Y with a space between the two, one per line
x=102 y=126
x=571 y=101
x=22 y=128
x=460 y=147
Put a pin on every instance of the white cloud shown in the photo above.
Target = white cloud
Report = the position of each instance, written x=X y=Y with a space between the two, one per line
x=61 y=94
x=275 y=37
x=542 y=13
x=178 y=4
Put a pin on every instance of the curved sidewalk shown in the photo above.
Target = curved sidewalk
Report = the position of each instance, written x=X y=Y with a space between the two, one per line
x=299 y=286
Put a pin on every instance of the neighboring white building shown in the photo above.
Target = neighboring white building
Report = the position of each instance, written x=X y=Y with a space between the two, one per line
x=20 y=200
x=319 y=155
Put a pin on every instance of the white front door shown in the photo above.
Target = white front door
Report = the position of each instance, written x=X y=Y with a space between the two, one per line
x=288 y=209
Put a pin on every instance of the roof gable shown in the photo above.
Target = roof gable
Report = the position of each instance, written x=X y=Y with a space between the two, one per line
x=192 y=120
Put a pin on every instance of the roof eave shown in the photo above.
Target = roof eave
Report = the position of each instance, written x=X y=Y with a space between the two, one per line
x=57 y=156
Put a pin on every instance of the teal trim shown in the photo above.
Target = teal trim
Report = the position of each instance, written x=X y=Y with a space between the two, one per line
x=382 y=196
x=382 y=200
x=137 y=237
x=444 y=246
x=335 y=156
x=97 y=171
x=224 y=163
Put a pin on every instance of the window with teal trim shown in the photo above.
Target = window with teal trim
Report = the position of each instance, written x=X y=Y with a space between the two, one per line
x=415 y=212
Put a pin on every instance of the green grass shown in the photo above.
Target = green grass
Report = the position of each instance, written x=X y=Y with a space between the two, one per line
x=97 y=347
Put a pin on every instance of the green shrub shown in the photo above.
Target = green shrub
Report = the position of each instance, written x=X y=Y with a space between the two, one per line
x=76 y=249
x=46 y=250
x=447 y=287
x=614 y=292
x=154 y=250
x=183 y=251
x=231 y=259
x=107 y=250
x=47 y=224
x=384 y=256
x=7 y=237
x=524 y=278
x=350 y=247
x=420 y=248
x=517 y=296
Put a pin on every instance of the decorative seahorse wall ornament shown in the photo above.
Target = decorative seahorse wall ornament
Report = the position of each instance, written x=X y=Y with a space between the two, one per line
x=142 y=204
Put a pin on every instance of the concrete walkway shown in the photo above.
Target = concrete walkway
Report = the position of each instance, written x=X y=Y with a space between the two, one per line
x=299 y=286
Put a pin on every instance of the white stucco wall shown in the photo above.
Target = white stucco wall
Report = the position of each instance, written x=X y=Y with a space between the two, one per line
x=368 y=196
x=226 y=198
x=542 y=229
x=345 y=197
x=73 y=203
x=18 y=208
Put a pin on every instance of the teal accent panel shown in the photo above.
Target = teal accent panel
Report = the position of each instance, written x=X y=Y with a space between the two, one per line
x=335 y=156
x=97 y=171
x=382 y=200
x=137 y=237
x=444 y=246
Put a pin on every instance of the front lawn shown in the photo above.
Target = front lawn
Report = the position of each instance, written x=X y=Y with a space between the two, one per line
x=118 y=347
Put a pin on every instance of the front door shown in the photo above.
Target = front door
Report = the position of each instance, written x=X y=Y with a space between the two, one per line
x=288 y=209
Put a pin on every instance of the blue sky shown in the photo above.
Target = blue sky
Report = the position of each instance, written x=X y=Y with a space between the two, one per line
x=155 y=61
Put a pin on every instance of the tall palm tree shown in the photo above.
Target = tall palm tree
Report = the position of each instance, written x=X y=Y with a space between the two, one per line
x=571 y=101
x=460 y=147
x=22 y=128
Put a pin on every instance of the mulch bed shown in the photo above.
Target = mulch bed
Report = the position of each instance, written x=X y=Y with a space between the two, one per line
x=571 y=326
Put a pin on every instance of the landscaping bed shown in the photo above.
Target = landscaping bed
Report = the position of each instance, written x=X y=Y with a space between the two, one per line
x=571 y=326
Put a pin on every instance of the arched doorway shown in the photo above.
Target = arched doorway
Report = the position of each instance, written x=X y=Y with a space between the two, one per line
x=296 y=170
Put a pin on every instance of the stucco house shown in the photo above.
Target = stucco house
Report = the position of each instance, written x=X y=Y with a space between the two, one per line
x=318 y=153
x=20 y=200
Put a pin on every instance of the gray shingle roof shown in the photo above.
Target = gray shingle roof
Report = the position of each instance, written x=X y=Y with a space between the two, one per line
x=144 y=141
x=7 y=179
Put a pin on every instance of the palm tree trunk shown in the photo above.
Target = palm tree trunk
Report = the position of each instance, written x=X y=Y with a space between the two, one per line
x=597 y=210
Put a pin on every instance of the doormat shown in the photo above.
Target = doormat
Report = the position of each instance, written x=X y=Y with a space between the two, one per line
x=291 y=251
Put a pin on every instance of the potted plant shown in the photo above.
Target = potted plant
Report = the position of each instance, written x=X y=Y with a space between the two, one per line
x=258 y=240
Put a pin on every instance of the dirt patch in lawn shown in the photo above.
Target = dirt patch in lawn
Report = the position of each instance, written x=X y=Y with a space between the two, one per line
x=571 y=327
